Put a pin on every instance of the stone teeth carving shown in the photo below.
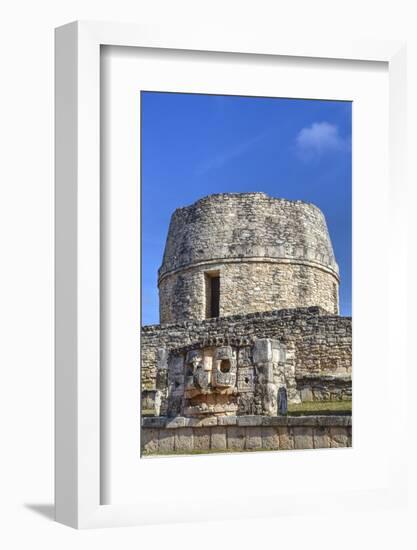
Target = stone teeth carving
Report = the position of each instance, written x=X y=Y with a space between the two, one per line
x=213 y=382
x=224 y=379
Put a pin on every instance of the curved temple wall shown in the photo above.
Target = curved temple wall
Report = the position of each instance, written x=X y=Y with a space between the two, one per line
x=269 y=253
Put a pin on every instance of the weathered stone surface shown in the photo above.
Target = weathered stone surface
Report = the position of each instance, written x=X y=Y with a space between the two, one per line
x=334 y=420
x=321 y=438
x=303 y=420
x=162 y=358
x=349 y=434
x=253 y=437
x=299 y=436
x=194 y=422
x=150 y=441
x=236 y=438
x=227 y=420
x=262 y=351
x=303 y=437
x=311 y=362
x=286 y=441
x=218 y=438
x=184 y=440
x=166 y=441
x=154 y=421
x=288 y=239
x=177 y=422
x=306 y=394
x=202 y=437
x=210 y=421
x=248 y=420
x=270 y=438
x=321 y=387
x=339 y=437
x=275 y=420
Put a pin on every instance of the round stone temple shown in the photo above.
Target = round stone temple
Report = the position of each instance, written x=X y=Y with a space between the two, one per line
x=239 y=253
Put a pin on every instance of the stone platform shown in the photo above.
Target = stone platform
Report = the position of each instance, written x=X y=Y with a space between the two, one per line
x=180 y=435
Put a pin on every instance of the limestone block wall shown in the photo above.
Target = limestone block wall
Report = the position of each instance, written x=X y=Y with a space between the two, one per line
x=318 y=346
x=269 y=253
x=248 y=287
x=325 y=387
x=161 y=436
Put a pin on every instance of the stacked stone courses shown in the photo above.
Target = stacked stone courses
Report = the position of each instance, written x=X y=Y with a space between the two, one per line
x=245 y=433
x=249 y=323
x=269 y=253
x=322 y=343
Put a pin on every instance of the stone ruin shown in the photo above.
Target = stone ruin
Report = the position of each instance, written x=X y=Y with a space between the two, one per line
x=249 y=322
x=224 y=380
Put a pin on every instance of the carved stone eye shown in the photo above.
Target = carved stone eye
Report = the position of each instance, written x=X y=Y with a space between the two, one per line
x=225 y=365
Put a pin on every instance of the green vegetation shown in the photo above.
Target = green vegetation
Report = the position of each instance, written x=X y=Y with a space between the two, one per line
x=204 y=452
x=320 y=407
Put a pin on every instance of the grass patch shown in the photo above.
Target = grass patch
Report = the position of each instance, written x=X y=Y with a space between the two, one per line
x=208 y=452
x=320 y=407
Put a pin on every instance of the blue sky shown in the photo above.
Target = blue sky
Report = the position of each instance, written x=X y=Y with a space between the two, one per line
x=194 y=145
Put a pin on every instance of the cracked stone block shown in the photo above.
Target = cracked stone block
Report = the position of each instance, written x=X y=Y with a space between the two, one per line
x=224 y=352
x=176 y=365
x=249 y=420
x=202 y=439
x=166 y=441
x=227 y=420
x=218 y=439
x=236 y=438
x=306 y=394
x=321 y=438
x=162 y=358
x=270 y=438
x=253 y=438
x=262 y=351
x=304 y=421
x=303 y=437
x=349 y=433
x=339 y=437
x=209 y=421
x=153 y=421
x=149 y=440
x=184 y=440
x=286 y=442
x=177 y=422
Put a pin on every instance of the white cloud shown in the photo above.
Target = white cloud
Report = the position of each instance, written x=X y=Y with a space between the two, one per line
x=319 y=138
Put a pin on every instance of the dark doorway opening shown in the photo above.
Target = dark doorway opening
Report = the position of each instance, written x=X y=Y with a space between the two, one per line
x=215 y=296
x=212 y=295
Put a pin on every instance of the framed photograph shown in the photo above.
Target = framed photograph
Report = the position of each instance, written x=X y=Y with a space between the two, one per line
x=221 y=254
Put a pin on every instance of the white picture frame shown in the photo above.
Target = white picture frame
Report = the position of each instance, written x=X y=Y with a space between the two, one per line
x=78 y=320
